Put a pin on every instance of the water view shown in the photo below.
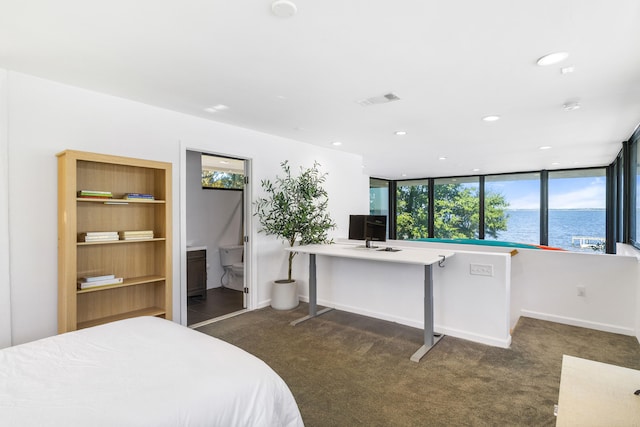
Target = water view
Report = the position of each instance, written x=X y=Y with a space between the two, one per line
x=566 y=226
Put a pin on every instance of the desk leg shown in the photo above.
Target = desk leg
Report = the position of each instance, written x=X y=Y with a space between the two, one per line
x=313 y=294
x=429 y=340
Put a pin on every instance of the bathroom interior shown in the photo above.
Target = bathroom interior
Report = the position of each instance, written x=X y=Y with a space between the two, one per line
x=215 y=251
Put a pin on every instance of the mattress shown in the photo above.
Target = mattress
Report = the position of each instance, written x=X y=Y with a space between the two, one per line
x=143 y=371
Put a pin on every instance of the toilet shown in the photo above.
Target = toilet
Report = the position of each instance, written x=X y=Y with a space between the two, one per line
x=231 y=259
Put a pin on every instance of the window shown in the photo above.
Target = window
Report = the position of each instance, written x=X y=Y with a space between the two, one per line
x=456 y=208
x=577 y=210
x=635 y=195
x=632 y=190
x=512 y=208
x=412 y=211
x=620 y=197
x=566 y=209
x=222 y=173
x=378 y=197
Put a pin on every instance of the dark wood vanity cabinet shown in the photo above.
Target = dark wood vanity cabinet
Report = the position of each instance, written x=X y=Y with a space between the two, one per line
x=197 y=273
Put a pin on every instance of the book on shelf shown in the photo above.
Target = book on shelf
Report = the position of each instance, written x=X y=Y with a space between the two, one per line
x=139 y=196
x=95 y=194
x=97 y=278
x=100 y=239
x=136 y=235
x=96 y=197
x=86 y=285
x=136 y=232
x=99 y=236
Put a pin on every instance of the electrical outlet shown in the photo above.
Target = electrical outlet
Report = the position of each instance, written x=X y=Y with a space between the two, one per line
x=481 y=269
x=582 y=291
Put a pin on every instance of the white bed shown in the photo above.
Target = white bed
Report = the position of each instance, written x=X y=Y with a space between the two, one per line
x=143 y=371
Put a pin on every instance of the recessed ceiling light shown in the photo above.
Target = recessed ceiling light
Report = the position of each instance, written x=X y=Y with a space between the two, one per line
x=545 y=147
x=283 y=8
x=475 y=170
x=336 y=143
x=555 y=163
x=442 y=158
x=281 y=97
x=491 y=118
x=567 y=70
x=404 y=174
x=570 y=106
x=401 y=132
x=216 y=108
x=552 y=58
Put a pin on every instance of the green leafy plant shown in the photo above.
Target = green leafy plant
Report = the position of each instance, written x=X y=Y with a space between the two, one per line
x=295 y=208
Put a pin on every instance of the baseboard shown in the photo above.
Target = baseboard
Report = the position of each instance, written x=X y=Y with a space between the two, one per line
x=465 y=335
x=470 y=336
x=374 y=314
x=604 y=327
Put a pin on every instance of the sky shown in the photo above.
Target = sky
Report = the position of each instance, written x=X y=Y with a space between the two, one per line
x=564 y=193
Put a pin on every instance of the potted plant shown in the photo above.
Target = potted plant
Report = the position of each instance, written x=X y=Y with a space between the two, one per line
x=295 y=210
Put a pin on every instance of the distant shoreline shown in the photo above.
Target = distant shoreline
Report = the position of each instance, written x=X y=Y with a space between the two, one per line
x=568 y=209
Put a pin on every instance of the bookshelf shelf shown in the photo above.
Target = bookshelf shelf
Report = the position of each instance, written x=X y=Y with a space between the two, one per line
x=117 y=242
x=118 y=201
x=126 y=282
x=146 y=264
x=151 y=311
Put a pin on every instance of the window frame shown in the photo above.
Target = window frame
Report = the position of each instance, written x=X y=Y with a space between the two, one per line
x=612 y=197
x=233 y=160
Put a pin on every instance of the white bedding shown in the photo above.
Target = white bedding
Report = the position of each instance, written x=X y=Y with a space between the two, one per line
x=143 y=371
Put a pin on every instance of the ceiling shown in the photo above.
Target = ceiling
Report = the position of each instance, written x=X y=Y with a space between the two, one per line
x=450 y=62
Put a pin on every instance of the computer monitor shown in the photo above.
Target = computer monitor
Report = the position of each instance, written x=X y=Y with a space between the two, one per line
x=368 y=228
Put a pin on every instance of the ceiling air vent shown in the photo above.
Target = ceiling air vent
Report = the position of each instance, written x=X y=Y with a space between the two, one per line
x=382 y=99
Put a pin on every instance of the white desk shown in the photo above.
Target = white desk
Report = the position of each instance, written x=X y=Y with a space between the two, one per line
x=597 y=394
x=419 y=256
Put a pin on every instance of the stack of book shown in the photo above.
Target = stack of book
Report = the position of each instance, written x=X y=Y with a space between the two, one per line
x=136 y=235
x=139 y=196
x=94 y=194
x=93 y=281
x=99 y=236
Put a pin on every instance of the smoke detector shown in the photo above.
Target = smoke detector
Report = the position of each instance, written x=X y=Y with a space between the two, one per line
x=382 y=99
x=283 y=8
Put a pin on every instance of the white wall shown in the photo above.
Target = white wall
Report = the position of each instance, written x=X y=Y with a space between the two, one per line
x=214 y=218
x=465 y=306
x=47 y=117
x=544 y=286
x=534 y=283
x=628 y=250
x=346 y=196
x=5 y=289
x=549 y=282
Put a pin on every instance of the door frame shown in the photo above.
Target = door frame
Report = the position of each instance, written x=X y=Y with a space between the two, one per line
x=249 y=254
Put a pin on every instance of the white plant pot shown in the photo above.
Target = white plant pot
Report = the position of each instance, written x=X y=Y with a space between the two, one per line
x=284 y=295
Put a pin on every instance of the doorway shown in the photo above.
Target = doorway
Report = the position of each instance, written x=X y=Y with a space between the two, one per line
x=216 y=200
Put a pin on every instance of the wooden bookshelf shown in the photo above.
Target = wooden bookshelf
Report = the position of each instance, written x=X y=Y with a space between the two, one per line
x=145 y=265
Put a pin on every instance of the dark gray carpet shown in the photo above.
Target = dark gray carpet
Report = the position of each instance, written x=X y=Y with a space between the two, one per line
x=347 y=370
